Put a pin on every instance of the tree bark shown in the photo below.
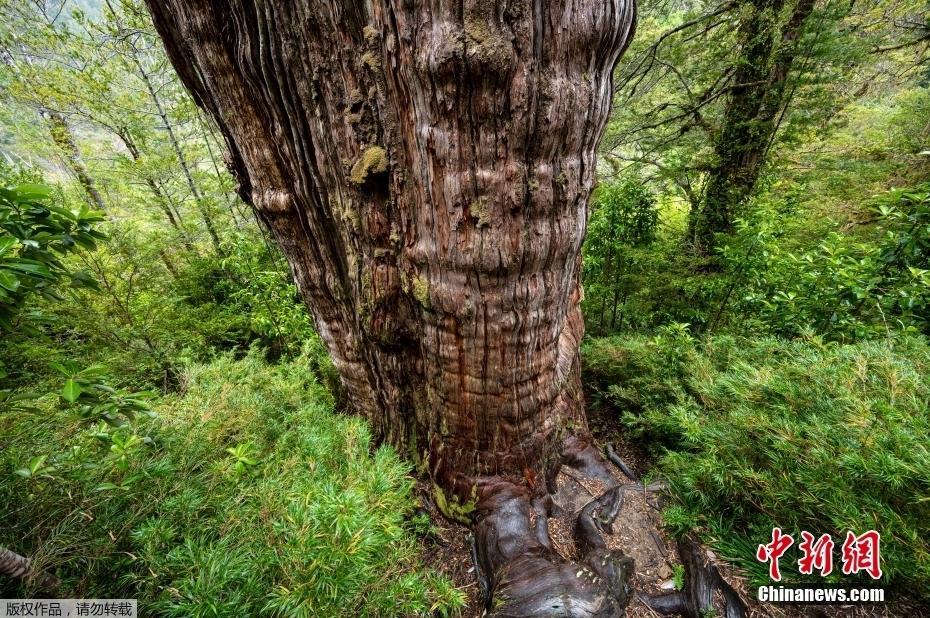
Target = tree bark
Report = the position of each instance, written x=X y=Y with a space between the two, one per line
x=64 y=139
x=20 y=567
x=425 y=167
x=751 y=116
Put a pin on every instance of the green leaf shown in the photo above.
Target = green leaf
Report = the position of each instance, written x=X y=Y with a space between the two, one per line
x=9 y=281
x=71 y=390
x=5 y=243
x=35 y=464
x=31 y=267
x=28 y=192
x=64 y=212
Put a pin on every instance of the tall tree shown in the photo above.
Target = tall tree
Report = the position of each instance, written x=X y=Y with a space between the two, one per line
x=425 y=168
x=754 y=109
x=715 y=87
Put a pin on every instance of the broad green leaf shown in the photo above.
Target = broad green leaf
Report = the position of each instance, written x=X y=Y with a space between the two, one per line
x=35 y=464
x=71 y=390
x=5 y=243
x=9 y=281
x=31 y=267
x=29 y=191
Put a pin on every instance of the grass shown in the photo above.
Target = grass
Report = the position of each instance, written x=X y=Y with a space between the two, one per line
x=253 y=498
x=800 y=434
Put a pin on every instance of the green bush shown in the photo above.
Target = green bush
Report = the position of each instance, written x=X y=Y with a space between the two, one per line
x=843 y=286
x=624 y=219
x=804 y=435
x=246 y=496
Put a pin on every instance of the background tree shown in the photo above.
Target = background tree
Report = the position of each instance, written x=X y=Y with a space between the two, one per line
x=711 y=88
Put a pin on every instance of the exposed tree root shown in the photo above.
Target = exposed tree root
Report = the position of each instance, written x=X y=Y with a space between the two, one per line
x=521 y=574
x=705 y=589
x=615 y=459
x=20 y=567
x=526 y=576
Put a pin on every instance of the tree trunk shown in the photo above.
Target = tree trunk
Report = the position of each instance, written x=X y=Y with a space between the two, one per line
x=751 y=116
x=425 y=168
x=182 y=160
x=174 y=219
x=64 y=139
x=20 y=567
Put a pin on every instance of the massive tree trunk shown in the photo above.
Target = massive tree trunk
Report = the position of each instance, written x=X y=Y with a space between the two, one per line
x=752 y=115
x=425 y=168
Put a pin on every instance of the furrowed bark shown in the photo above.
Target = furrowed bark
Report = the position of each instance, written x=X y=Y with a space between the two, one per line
x=425 y=167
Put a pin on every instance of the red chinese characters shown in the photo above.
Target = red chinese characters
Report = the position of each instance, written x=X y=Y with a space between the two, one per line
x=862 y=553
x=815 y=554
x=773 y=551
x=859 y=553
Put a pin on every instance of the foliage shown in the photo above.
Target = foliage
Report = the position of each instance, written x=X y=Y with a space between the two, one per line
x=678 y=576
x=246 y=495
x=677 y=83
x=843 y=287
x=624 y=216
x=250 y=498
x=803 y=435
x=35 y=235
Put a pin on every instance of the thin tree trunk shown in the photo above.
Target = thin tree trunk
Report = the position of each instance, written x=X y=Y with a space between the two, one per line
x=618 y=275
x=182 y=160
x=20 y=567
x=160 y=198
x=64 y=139
x=168 y=264
x=607 y=279
x=425 y=168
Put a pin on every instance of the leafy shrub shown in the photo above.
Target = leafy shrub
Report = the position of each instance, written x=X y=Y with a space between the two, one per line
x=624 y=217
x=35 y=234
x=254 y=284
x=842 y=286
x=250 y=498
x=802 y=435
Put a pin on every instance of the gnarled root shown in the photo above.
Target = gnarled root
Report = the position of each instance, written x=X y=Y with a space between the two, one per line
x=703 y=582
x=523 y=574
x=526 y=577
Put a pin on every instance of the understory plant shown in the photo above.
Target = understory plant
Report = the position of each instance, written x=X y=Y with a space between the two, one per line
x=803 y=435
x=249 y=497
